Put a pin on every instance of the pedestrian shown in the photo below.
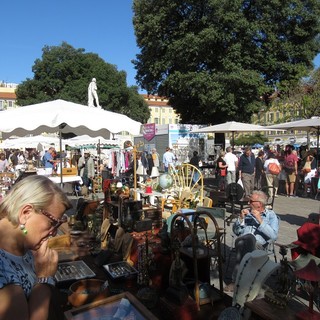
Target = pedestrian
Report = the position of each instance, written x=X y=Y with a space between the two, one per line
x=259 y=178
x=222 y=171
x=168 y=159
x=195 y=162
x=155 y=158
x=232 y=164
x=48 y=160
x=4 y=163
x=247 y=170
x=86 y=167
x=271 y=176
x=290 y=165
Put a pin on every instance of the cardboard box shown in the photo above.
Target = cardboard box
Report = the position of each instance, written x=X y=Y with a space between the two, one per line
x=70 y=171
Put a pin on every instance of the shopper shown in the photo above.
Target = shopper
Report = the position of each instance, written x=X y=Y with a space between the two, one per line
x=86 y=167
x=168 y=159
x=232 y=164
x=247 y=170
x=31 y=213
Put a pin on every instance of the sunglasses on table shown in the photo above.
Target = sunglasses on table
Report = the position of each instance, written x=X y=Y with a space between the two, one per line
x=55 y=223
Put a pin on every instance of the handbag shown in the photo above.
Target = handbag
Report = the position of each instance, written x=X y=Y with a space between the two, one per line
x=223 y=172
x=273 y=168
x=240 y=182
x=307 y=167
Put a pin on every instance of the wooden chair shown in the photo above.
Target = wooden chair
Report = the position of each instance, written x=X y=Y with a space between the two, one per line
x=207 y=202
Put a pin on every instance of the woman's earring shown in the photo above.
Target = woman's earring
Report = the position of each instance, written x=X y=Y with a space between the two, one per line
x=23 y=229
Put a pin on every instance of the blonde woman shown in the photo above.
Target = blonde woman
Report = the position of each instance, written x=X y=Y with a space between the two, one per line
x=30 y=214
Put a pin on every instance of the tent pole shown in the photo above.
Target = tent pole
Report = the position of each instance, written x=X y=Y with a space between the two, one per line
x=317 y=162
x=60 y=141
x=232 y=141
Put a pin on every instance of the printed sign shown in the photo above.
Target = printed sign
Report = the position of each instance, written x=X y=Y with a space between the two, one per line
x=149 y=131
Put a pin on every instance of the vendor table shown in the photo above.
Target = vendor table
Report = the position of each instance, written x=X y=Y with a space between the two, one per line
x=261 y=309
x=67 y=182
x=66 y=179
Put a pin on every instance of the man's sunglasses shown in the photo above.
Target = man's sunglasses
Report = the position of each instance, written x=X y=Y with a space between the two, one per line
x=252 y=201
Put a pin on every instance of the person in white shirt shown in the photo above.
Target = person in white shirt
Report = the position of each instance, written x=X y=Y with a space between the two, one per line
x=272 y=179
x=232 y=163
x=168 y=159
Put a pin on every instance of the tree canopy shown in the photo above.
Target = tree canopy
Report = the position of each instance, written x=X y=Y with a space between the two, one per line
x=217 y=60
x=65 y=73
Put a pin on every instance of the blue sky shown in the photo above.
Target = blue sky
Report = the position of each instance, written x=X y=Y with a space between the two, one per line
x=103 y=27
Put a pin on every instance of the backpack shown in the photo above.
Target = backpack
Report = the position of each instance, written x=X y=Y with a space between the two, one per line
x=274 y=168
x=289 y=163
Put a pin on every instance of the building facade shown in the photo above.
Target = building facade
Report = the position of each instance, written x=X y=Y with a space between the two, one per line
x=160 y=111
x=7 y=95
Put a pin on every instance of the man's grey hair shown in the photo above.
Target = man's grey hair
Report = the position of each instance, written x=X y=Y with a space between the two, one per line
x=261 y=196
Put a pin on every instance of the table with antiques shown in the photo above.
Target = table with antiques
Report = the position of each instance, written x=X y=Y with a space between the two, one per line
x=261 y=309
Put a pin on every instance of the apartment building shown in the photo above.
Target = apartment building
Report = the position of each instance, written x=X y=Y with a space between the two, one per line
x=160 y=111
x=7 y=95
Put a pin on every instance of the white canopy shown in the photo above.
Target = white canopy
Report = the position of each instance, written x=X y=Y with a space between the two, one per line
x=312 y=124
x=232 y=127
x=29 y=142
x=66 y=116
x=85 y=139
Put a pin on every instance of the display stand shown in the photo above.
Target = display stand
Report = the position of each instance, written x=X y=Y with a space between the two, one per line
x=189 y=222
x=134 y=150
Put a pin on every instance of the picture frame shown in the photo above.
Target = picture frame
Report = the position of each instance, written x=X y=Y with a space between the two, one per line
x=105 y=308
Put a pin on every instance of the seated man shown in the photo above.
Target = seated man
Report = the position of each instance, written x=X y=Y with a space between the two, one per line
x=255 y=228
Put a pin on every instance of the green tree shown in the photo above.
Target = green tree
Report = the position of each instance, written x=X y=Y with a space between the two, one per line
x=65 y=73
x=300 y=101
x=249 y=140
x=215 y=59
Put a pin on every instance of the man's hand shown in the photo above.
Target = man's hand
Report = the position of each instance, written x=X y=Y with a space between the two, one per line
x=257 y=215
x=243 y=213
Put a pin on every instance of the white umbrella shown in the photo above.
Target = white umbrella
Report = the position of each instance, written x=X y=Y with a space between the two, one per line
x=64 y=117
x=29 y=142
x=85 y=140
x=232 y=127
x=312 y=124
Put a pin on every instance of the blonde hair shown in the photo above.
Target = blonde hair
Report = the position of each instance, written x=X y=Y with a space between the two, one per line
x=36 y=190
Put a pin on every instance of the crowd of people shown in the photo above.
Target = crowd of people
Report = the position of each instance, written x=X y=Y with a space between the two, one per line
x=264 y=171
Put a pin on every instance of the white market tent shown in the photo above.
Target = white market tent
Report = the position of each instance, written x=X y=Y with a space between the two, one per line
x=232 y=127
x=64 y=117
x=29 y=142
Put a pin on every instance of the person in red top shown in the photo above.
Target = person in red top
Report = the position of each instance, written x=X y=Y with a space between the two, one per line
x=291 y=169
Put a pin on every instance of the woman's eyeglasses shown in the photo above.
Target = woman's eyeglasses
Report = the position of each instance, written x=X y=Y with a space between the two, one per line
x=252 y=201
x=55 y=223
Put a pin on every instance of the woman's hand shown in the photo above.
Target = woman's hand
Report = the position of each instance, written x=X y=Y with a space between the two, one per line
x=45 y=260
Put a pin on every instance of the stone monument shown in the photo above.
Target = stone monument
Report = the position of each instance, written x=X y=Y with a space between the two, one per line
x=92 y=94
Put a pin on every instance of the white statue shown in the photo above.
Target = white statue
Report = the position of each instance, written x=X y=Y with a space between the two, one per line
x=92 y=93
